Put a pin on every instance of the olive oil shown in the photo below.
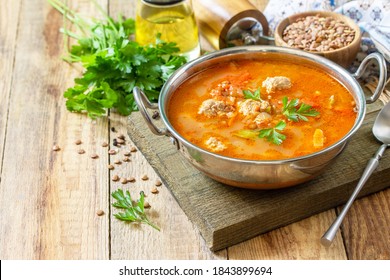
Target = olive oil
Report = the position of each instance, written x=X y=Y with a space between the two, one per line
x=175 y=22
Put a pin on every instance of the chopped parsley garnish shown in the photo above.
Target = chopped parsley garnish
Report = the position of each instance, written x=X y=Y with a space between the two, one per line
x=294 y=112
x=273 y=135
x=252 y=95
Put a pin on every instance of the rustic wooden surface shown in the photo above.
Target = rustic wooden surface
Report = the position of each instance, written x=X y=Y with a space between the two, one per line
x=48 y=200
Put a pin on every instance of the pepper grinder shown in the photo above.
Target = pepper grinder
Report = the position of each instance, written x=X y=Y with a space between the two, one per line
x=231 y=23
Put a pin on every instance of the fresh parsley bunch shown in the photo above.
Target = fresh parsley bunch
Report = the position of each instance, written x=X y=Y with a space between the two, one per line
x=114 y=64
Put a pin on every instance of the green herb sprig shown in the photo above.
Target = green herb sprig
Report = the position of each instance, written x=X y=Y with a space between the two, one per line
x=292 y=112
x=273 y=134
x=113 y=64
x=133 y=211
x=252 y=95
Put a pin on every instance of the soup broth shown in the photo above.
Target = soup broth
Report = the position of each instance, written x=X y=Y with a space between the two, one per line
x=262 y=109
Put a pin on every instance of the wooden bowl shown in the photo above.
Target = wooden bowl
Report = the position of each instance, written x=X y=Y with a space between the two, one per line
x=343 y=56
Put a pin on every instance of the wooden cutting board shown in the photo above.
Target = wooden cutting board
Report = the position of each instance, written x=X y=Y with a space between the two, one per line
x=226 y=215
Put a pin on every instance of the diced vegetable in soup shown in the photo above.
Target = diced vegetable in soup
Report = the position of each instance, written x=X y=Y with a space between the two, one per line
x=262 y=109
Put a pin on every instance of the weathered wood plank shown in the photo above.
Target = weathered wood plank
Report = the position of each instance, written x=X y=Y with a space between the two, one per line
x=366 y=228
x=298 y=241
x=49 y=199
x=9 y=15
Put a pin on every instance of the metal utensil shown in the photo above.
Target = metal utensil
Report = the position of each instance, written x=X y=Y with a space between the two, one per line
x=381 y=131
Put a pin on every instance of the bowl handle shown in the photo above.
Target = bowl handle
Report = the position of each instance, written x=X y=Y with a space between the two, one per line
x=143 y=103
x=382 y=74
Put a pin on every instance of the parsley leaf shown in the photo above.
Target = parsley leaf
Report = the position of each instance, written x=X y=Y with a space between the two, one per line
x=252 y=95
x=133 y=211
x=292 y=113
x=113 y=64
x=273 y=135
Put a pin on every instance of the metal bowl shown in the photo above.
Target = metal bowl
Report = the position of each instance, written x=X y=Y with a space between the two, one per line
x=260 y=174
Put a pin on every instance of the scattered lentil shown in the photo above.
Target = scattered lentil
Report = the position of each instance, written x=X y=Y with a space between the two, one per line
x=145 y=177
x=78 y=142
x=81 y=151
x=121 y=136
x=115 y=178
x=123 y=180
x=155 y=115
x=117 y=161
x=154 y=191
x=126 y=159
x=111 y=167
x=94 y=156
x=127 y=154
x=56 y=148
x=146 y=204
x=133 y=149
x=100 y=212
x=104 y=144
x=112 y=152
x=120 y=141
x=158 y=183
x=318 y=34
x=131 y=179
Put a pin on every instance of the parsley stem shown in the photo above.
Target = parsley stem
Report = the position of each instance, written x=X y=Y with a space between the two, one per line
x=109 y=20
x=70 y=33
x=151 y=224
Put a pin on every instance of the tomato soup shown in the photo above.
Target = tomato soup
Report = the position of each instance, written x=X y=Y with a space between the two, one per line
x=262 y=109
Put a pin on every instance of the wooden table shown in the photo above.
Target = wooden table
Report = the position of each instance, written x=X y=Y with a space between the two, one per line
x=49 y=200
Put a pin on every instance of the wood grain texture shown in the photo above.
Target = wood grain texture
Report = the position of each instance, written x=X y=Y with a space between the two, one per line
x=360 y=228
x=288 y=242
x=49 y=199
x=9 y=15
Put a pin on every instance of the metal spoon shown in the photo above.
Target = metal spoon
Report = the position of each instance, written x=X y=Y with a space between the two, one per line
x=381 y=131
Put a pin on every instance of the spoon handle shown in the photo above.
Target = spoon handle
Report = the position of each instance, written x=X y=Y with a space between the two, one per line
x=372 y=164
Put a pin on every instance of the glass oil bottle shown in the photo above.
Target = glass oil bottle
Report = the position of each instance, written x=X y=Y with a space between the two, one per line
x=173 y=19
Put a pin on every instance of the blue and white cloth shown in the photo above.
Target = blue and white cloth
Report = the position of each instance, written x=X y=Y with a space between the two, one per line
x=372 y=16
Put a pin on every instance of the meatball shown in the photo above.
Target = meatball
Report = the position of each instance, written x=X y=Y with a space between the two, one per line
x=215 y=145
x=252 y=107
x=213 y=108
x=276 y=83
